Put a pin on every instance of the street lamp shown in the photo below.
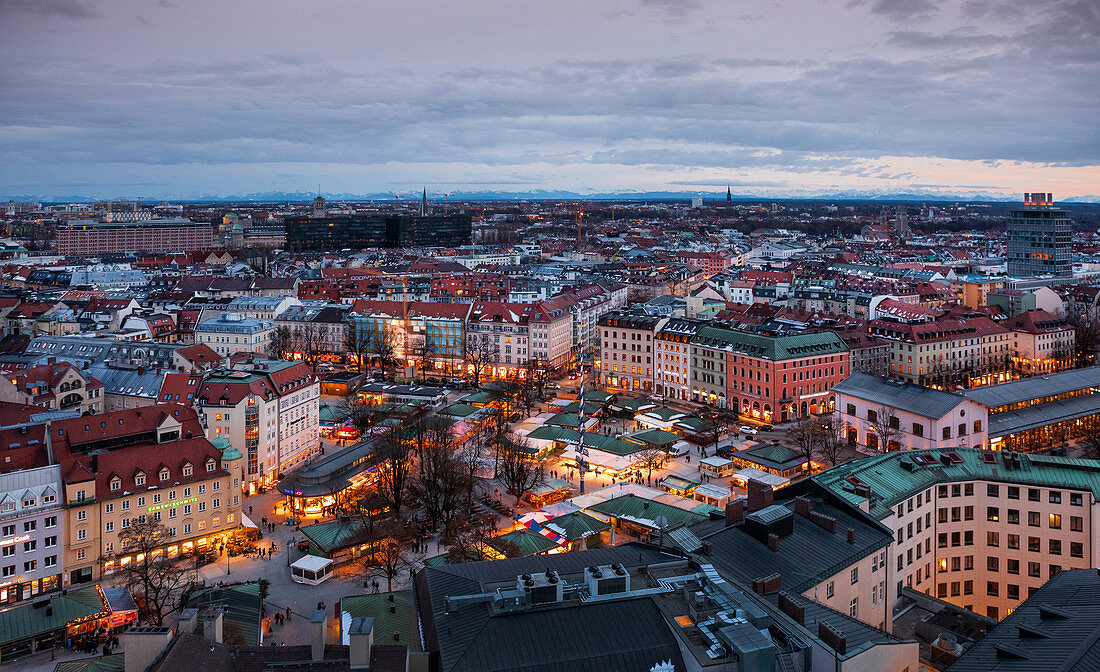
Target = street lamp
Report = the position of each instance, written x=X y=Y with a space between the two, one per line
x=227 y=572
x=289 y=545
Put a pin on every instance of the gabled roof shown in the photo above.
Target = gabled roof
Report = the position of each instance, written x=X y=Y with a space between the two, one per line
x=904 y=396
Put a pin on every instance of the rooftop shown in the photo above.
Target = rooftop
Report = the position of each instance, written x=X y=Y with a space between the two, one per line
x=891 y=481
x=904 y=396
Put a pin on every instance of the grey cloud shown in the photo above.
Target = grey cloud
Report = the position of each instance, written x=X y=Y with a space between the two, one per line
x=70 y=9
x=673 y=9
x=898 y=10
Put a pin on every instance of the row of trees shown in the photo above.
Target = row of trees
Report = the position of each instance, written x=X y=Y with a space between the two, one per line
x=818 y=438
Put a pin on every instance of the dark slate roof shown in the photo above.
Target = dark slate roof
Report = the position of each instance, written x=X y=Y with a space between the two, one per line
x=807 y=556
x=1057 y=628
x=614 y=635
x=453 y=634
x=922 y=401
x=1034 y=388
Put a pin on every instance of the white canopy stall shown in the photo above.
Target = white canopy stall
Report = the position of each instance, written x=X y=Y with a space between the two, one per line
x=311 y=569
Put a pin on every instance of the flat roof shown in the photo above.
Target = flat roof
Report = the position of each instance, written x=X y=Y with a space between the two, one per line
x=1033 y=388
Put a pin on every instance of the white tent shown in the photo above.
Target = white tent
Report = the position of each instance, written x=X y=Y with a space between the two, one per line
x=311 y=569
x=743 y=477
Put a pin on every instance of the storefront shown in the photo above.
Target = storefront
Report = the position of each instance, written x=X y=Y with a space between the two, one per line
x=11 y=592
x=63 y=619
x=331 y=483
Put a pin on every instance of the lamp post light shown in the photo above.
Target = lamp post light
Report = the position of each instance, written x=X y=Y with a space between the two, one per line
x=227 y=572
x=289 y=545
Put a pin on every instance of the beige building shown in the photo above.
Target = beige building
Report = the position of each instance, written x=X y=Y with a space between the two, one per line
x=121 y=468
x=270 y=409
x=1041 y=343
x=980 y=529
x=56 y=385
x=626 y=350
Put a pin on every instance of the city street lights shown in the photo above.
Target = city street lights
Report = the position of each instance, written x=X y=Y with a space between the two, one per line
x=227 y=572
x=289 y=545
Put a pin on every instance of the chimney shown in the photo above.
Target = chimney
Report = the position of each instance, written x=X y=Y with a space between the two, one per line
x=318 y=628
x=51 y=360
x=212 y=622
x=360 y=640
x=791 y=608
x=768 y=585
x=189 y=621
x=827 y=523
x=760 y=495
x=803 y=506
x=773 y=542
x=141 y=370
x=735 y=511
x=143 y=645
x=832 y=637
x=851 y=536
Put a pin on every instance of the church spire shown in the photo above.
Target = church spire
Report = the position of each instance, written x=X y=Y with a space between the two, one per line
x=424 y=203
x=729 y=194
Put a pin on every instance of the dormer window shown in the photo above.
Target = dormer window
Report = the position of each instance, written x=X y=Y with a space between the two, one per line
x=164 y=474
x=187 y=469
x=116 y=483
x=139 y=478
x=210 y=465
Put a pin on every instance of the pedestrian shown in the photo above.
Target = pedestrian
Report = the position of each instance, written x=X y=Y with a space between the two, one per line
x=250 y=509
x=288 y=614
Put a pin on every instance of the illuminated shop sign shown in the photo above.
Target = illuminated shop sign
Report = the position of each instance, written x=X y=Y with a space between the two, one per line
x=174 y=502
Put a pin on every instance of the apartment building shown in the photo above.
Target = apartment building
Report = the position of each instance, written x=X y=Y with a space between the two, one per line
x=970 y=351
x=120 y=468
x=890 y=414
x=767 y=377
x=672 y=358
x=981 y=529
x=31 y=516
x=268 y=407
x=500 y=335
x=626 y=350
x=231 y=333
x=57 y=385
x=1041 y=343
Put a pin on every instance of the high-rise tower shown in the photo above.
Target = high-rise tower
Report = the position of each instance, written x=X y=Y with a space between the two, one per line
x=1039 y=239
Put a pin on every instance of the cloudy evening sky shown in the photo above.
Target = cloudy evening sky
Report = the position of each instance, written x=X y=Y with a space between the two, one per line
x=173 y=98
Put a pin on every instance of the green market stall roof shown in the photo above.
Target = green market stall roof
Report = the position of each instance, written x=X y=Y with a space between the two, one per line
x=523 y=540
x=644 y=512
x=26 y=621
x=576 y=526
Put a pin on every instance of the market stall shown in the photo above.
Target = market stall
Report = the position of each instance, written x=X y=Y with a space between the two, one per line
x=311 y=570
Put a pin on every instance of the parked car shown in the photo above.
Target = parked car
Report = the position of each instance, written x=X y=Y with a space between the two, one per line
x=745 y=429
x=766 y=428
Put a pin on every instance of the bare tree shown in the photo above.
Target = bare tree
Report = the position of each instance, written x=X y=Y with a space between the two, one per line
x=887 y=428
x=805 y=435
x=394 y=468
x=384 y=348
x=469 y=540
x=440 y=482
x=479 y=354
x=1086 y=331
x=357 y=343
x=649 y=458
x=394 y=555
x=155 y=579
x=517 y=470
x=1090 y=446
x=282 y=343
x=307 y=339
x=832 y=440
x=362 y=415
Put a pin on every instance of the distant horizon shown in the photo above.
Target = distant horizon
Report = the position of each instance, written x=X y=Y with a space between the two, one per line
x=437 y=197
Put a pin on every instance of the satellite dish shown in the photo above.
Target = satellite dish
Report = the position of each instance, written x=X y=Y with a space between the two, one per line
x=661 y=521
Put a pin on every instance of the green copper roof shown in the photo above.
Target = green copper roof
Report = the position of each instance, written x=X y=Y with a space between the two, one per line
x=770 y=347
x=890 y=482
x=25 y=621
x=336 y=535
x=644 y=512
x=401 y=621
x=576 y=526
x=653 y=437
x=112 y=663
x=525 y=541
x=229 y=453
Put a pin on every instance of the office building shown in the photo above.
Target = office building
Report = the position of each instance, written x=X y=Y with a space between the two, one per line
x=1039 y=239
x=366 y=231
x=89 y=237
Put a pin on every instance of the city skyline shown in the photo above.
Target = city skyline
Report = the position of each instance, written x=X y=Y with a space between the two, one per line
x=180 y=100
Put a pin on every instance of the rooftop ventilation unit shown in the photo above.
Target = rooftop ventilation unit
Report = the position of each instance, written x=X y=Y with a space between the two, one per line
x=607 y=579
x=544 y=588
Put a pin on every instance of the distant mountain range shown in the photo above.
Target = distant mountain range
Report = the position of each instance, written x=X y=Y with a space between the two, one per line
x=558 y=195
